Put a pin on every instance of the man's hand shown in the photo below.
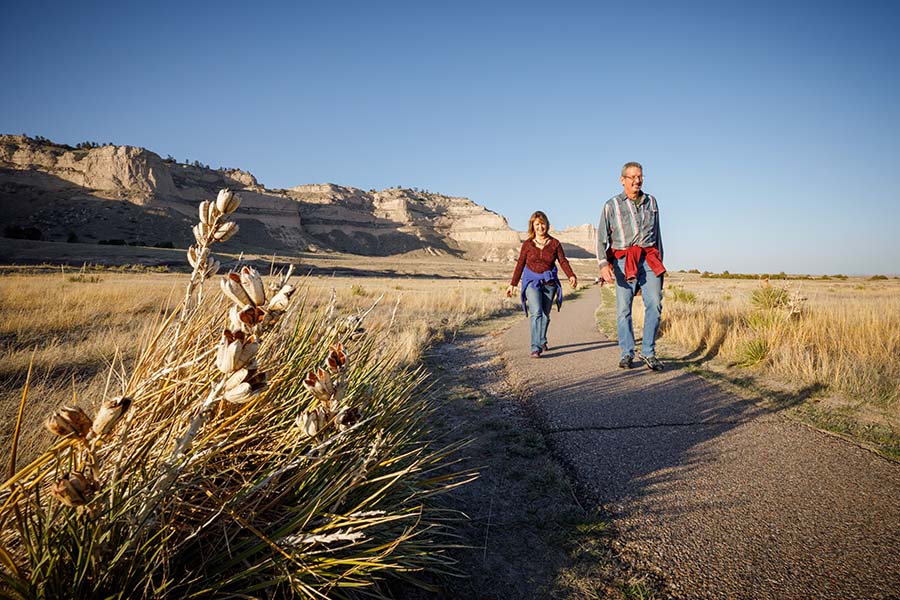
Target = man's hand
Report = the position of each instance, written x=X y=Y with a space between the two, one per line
x=606 y=274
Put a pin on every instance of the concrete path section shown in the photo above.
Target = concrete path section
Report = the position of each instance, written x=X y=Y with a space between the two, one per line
x=713 y=494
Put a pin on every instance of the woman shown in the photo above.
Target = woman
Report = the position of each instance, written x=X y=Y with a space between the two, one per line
x=540 y=280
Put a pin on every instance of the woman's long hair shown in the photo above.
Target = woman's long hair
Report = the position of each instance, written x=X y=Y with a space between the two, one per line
x=538 y=214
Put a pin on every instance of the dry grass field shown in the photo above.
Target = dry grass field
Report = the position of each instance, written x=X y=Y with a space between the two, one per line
x=251 y=433
x=73 y=325
x=831 y=347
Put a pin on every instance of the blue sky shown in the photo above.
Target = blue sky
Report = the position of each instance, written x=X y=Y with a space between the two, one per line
x=770 y=132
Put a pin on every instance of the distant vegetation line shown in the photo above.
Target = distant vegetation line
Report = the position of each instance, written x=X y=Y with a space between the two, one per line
x=776 y=276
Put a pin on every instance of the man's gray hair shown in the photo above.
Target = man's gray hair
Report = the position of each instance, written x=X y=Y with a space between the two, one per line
x=628 y=165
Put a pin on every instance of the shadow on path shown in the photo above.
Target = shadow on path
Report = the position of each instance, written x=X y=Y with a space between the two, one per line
x=718 y=496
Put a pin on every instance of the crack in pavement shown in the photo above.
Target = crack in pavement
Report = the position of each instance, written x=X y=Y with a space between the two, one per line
x=640 y=426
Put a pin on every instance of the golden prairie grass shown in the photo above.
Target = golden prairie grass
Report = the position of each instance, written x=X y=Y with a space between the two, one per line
x=71 y=331
x=841 y=339
x=268 y=437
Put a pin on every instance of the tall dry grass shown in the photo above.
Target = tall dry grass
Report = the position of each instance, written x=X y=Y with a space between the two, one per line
x=311 y=478
x=839 y=339
x=70 y=330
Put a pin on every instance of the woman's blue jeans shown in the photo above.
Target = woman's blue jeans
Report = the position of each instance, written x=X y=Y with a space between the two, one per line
x=539 y=301
x=651 y=292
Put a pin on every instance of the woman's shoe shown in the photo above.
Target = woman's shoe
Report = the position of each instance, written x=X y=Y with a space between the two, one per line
x=535 y=354
x=545 y=347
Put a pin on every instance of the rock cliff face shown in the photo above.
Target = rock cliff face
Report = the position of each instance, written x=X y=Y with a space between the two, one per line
x=399 y=220
x=579 y=242
x=109 y=170
x=124 y=194
x=131 y=195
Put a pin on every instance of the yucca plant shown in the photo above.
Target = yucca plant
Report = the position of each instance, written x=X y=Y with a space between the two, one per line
x=255 y=449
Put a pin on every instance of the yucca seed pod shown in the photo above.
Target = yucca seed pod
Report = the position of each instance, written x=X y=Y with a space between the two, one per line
x=336 y=357
x=250 y=388
x=226 y=356
x=204 y=212
x=247 y=352
x=75 y=489
x=278 y=302
x=224 y=231
x=252 y=315
x=109 y=414
x=281 y=298
x=227 y=201
x=347 y=417
x=235 y=323
x=253 y=284
x=311 y=422
x=240 y=394
x=212 y=267
x=69 y=420
x=231 y=286
x=258 y=379
x=212 y=213
x=193 y=256
x=231 y=356
x=319 y=384
x=199 y=233
x=229 y=336
x=236 y=379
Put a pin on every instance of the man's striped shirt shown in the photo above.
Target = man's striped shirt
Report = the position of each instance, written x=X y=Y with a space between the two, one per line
x=625 y=223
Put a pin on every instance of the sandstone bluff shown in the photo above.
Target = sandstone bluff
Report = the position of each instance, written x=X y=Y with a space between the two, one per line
x=127 y=194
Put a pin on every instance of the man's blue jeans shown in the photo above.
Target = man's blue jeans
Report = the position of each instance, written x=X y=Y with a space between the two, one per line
x=540 y=301
x=651 y=292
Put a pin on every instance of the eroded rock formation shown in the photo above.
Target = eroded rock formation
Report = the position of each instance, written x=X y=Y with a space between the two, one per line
x=131 y=195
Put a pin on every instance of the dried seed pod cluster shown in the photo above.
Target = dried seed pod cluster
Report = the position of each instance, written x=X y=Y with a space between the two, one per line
x=111 y=411
x=75 y=489
x=210 y=266
x=212 y=227
x=236 y=359
x=252 y=307
x=69 y=420
x=328 y=386
x=73 y=420
x=252 y=312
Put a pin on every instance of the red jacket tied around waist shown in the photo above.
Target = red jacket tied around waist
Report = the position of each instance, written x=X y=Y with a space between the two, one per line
x=633 y=256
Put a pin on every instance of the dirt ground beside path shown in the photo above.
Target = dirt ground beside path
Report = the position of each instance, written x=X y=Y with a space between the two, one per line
x=527 y=534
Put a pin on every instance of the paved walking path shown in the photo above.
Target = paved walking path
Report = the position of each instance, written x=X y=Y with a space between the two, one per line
x=717 y=496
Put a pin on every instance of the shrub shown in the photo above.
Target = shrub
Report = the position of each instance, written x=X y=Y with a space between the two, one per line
x=679 y=294
x=769 y=297
x=752 y=352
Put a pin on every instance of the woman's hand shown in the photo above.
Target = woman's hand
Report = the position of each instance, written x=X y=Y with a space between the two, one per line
x=574 y=282
x=509 y=291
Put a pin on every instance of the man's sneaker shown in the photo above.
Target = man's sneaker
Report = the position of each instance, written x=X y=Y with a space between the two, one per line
x=626 y=361
x=652 y=363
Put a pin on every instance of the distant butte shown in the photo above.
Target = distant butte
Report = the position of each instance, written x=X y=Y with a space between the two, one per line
x=130 y=195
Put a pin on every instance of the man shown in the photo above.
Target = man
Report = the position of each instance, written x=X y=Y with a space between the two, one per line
x=629 y=250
